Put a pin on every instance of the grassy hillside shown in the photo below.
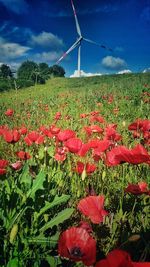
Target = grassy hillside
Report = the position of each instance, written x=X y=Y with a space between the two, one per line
x=71 y=141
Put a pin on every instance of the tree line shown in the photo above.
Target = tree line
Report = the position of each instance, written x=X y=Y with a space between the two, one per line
x=29 y=73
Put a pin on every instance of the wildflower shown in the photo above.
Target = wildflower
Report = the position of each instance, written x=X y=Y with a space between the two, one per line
x=9 y=112
x=11 y=136
x=121 y=154
x=116 y=258
x=34 y=137
x=73 y=144
x=64 y=135
x=93 y=207
x=120 y=258
x=78 y=245
x=3 y=165
x=16 y=165
x=137 y=189
x=89 y=168
x=23 y=155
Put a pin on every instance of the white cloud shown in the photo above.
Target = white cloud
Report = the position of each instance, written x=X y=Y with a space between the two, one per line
x=84 y=74
x=46 y=40
x=17 y=6
x=47 y=56
x=146 y=70
x=9 y=50
x=124 y=71
x=113 y=63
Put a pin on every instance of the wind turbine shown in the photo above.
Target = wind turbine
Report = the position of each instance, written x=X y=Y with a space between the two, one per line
x=78 y=43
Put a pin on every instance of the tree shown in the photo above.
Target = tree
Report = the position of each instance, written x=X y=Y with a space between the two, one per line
x=57 y=71
x=27 y=71
x=44 y=71
x=5 y=71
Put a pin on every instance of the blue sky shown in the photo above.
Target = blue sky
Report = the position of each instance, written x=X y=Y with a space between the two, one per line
x=43 y=30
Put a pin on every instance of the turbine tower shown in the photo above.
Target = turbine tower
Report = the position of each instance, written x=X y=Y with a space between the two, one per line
x=78 y=43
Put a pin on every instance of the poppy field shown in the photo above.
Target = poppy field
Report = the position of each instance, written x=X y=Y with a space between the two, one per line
x=75 y=173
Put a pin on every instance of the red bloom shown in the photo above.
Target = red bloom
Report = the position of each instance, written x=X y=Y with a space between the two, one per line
x=116 y=258
x=60 y=154
x=93 y=129
x=120 y=258
x=97 y=118
x=93 y=207
x=16 y=165
x=83 y=150
x=111 y=134
x=121 y=154
x=23 y=130
x=34 y=137
x=73 y=145
x=57 y=116
x=11 y=136
x=3 y=165
x=88 y=167
x=23 y=155
x=9 y=112
x=65 y=135
x=137 y=189
x=78 y=245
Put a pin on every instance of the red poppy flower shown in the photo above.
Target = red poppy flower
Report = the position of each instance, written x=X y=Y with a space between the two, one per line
x=11 y=136
x=102 y=146
x=77 y=245
x=9 y=112
x=93 y=129
x=93 y=207
x=116 y=258
x=89 y=168
x=34 y=137
x=60 y=154
x=23 y=155
x=111 y=134
x=86 y=226
x=97 y=118
x=121 y=154
x=54 y=129
x=3 y=165
x=120 y=258
x=16 y=165
x=64 y=135
x=57 y=116
x=83 y=150
x=137 y=189
x=23 y=130
x=73 y=145
x=83 y=115
x=136 y=125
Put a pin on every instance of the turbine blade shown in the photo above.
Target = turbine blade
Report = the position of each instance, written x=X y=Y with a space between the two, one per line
x=68 y=51
x=101 y=45
x=76 y=19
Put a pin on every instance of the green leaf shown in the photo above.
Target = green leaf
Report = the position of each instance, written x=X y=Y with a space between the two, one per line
x=13 y=263
x=25 y=176
x=41 y=239
x=61 y=217
x=57 y=201
x=37 y=184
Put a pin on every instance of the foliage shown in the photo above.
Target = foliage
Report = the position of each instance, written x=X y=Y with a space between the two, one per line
x=26 y=70
x=32 y=72
x=5 y=71
x=57 y=71
x=27 y=218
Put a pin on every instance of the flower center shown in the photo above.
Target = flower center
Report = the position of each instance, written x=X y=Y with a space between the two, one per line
x=76 y=252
